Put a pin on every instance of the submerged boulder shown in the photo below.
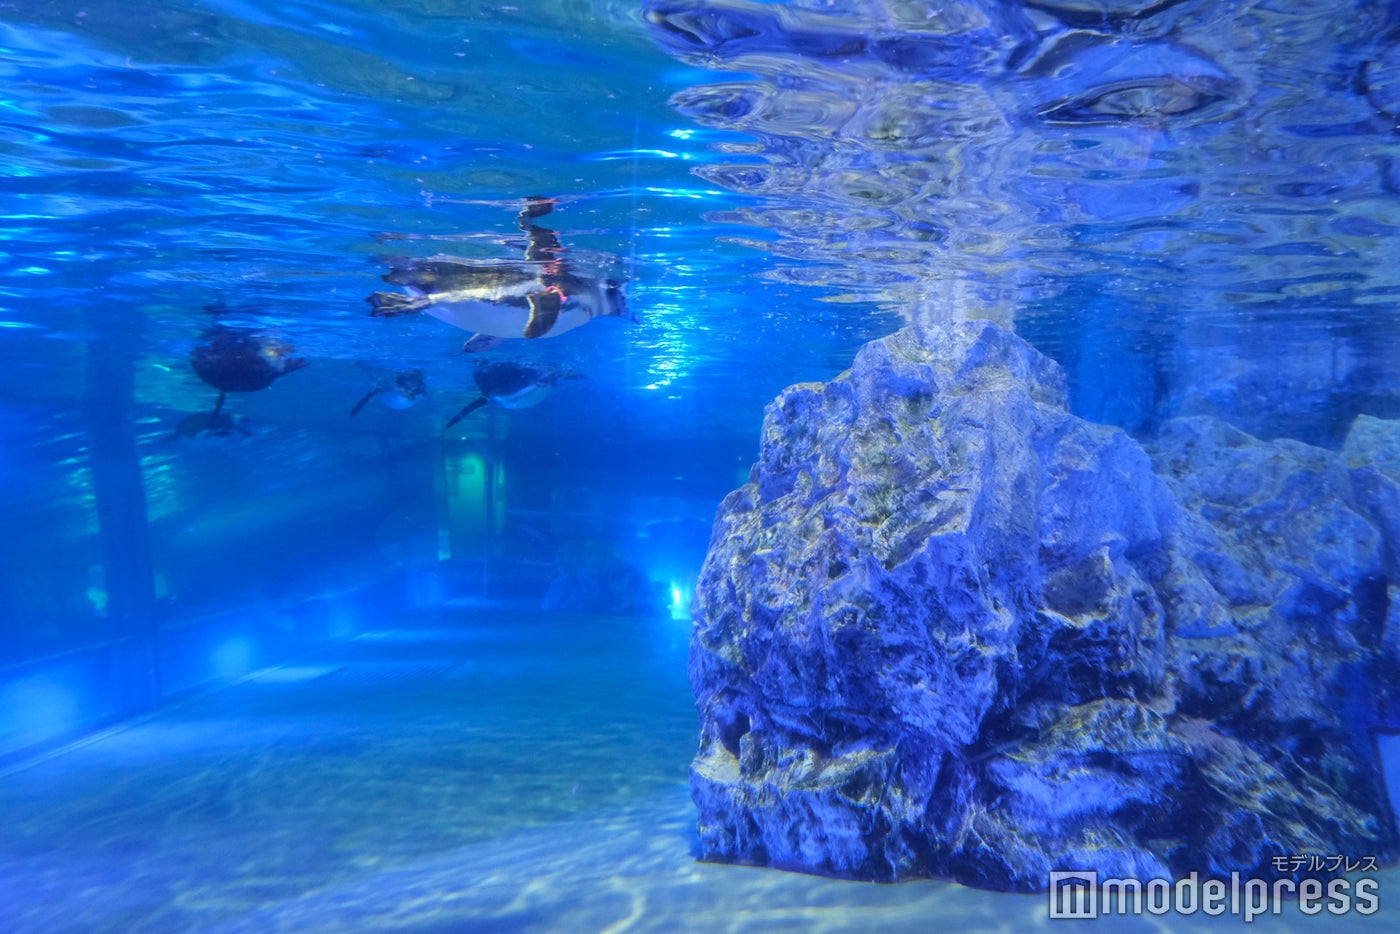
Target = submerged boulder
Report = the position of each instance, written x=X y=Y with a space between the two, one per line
x=949 y=629
x=1372 y=450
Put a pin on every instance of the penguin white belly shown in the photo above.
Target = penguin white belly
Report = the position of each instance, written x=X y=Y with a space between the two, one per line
x=493 y=318
x=523 y=398
x=396 y=400
x=499 y=319
x=569 y=318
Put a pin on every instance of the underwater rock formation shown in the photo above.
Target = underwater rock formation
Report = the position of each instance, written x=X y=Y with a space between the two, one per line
x=949 y=629
x=1372 y=450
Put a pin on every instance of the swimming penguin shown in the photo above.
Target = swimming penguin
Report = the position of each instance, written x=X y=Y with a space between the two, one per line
x=536 y=297
x=511 y=386
x=400 y=391
x=242 y=360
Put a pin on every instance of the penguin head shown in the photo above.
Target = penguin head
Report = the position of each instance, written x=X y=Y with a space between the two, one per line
x=616 y=300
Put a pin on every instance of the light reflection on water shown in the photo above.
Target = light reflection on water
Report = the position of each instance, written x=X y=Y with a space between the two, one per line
x=1241 y=152
x=259 y=163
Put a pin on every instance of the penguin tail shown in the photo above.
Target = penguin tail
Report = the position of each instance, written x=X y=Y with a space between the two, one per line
x=467 y=409
x=393 y=304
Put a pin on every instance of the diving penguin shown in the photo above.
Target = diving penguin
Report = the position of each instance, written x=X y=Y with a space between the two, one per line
x=511 y=386
x=399 y=391
x=537 y=297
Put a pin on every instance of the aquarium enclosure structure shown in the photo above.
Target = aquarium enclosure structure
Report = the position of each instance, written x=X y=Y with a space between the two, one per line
x=666 y=466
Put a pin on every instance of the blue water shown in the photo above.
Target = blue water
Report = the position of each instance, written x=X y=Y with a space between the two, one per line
x=1191 y=205
x=172 y=167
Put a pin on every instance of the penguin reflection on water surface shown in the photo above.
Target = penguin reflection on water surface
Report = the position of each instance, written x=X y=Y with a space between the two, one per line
x=237 y=360
x=539 y=296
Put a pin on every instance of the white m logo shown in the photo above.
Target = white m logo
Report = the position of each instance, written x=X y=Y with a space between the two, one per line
x=1074 y=894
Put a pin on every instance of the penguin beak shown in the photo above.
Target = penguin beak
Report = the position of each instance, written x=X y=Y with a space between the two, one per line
x=618 y=301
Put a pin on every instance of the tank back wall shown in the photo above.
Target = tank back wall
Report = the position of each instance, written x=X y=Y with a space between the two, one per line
x=176 y=568
x=250 y=550
x=585 y=515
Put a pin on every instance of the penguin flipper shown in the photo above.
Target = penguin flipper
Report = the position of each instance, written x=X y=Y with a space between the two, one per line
x=467 y=409
x=544 y=312
x=393 y=304
x=361 y=404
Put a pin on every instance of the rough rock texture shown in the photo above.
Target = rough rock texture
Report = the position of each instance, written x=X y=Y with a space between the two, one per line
x=1372 y=450
x=949 y=629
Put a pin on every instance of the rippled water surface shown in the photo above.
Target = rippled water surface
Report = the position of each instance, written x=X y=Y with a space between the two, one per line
x=1242 y=150
x=1161 y=194
x=172 y=164
x=1136 y=184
